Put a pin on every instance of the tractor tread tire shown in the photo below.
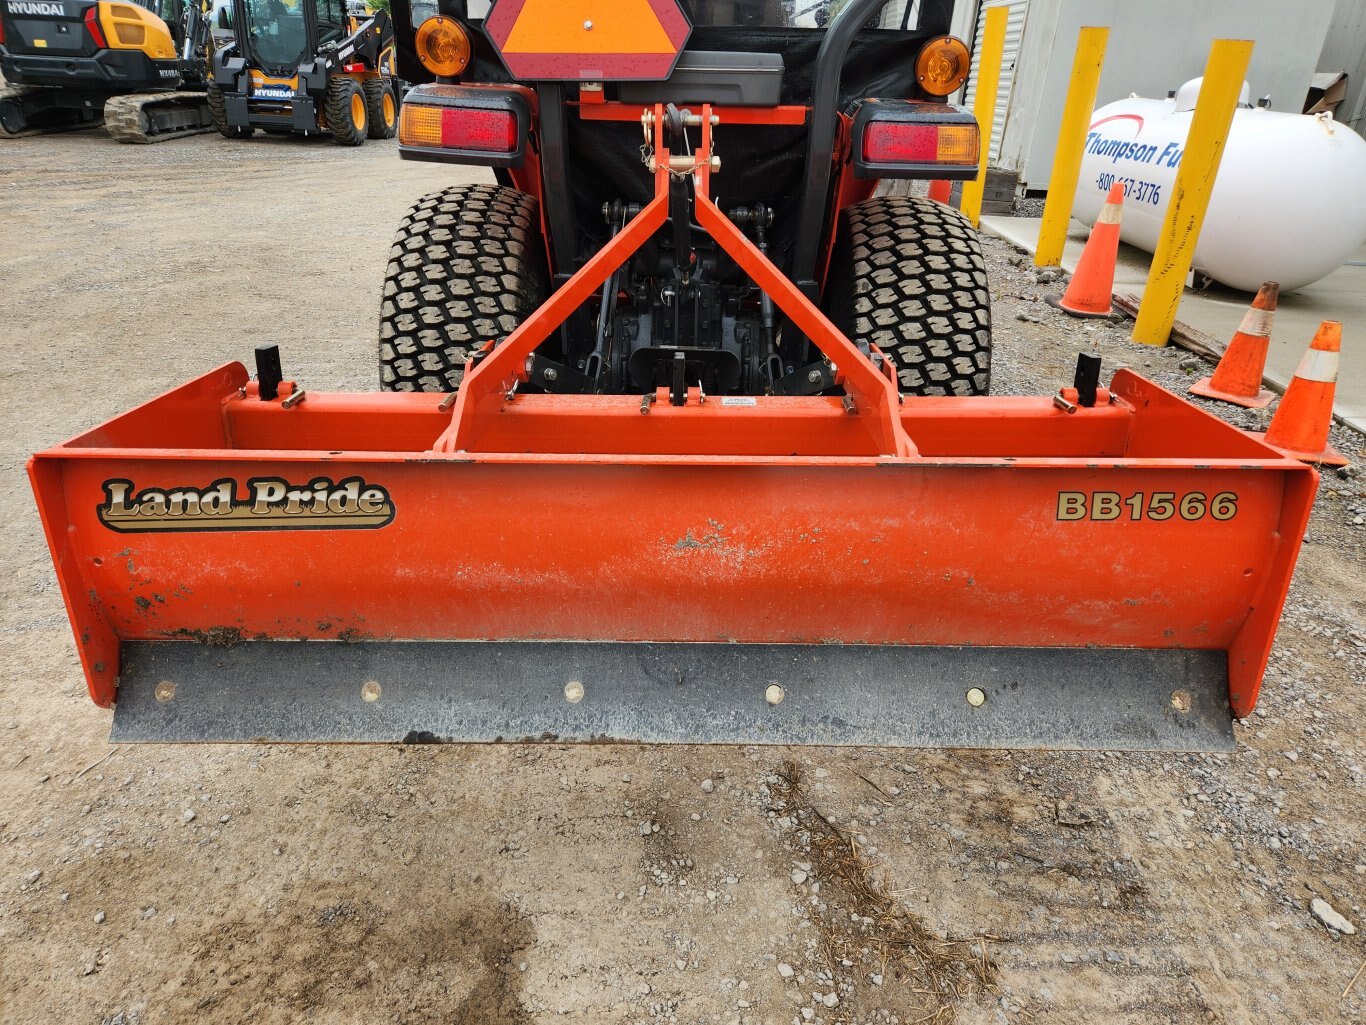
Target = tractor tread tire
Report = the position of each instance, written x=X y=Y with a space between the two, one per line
x=375 y=88
x=467 y=267
x=908 y=276
x=338 y=112
x=218 y=110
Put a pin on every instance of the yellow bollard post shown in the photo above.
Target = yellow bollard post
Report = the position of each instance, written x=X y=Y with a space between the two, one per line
x=1076 y=119
x=1224 y=74
x=984 y=105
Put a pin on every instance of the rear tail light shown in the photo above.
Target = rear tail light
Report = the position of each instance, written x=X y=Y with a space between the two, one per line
x=92 y=24
x=458 y=128
x=487 y=126
x=915 y=139
x=893 y=142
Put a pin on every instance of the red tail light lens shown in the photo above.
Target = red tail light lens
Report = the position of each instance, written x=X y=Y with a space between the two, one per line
x=93 y=25
x=494 y=131
x=458 y=128
x=900 y=144
x=890 y=142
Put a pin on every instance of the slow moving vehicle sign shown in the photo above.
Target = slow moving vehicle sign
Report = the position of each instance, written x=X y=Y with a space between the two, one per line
x=588 y=40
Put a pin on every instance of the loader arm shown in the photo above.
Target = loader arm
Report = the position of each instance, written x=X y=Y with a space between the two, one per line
x=369 y=39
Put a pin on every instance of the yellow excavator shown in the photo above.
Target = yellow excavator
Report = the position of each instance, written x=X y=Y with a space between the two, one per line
x=140 y=69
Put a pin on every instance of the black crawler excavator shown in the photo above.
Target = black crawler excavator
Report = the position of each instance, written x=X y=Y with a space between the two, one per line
x=140 y=68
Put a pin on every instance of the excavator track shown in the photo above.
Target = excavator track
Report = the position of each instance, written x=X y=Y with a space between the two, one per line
x=14 y=124
x=156 y=117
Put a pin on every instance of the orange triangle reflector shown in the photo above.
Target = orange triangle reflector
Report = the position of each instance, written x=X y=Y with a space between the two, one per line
x=588 y=40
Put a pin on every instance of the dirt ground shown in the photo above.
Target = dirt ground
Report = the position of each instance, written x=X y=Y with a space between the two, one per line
x=521 y=885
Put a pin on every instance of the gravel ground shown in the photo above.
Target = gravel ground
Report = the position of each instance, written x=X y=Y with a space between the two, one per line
x=514 y=885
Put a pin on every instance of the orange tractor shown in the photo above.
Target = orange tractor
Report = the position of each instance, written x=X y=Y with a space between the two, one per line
x=682 y=439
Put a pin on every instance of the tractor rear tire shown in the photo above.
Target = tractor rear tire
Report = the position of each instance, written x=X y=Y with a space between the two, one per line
x=219 y=110
x=381 y=106
x=348 y=120
x=467 y=267
x=907 y=275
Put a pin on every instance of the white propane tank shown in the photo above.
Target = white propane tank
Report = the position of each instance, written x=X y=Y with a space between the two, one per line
x=1289 y=203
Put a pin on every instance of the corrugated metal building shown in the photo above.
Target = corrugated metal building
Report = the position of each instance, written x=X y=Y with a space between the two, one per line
x=1345 y=51
x=1154 y=47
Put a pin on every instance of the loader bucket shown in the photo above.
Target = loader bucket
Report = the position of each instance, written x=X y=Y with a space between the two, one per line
x=753 y=570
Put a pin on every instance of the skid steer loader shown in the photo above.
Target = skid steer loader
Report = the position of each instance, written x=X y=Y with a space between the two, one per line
x=682 y=437
x=307 y=67
x=140 y=68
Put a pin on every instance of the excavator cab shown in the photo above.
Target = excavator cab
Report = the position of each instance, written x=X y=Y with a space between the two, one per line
x=305 y=66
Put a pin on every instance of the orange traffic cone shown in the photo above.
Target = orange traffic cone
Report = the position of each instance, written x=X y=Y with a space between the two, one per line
x=1300 y=426
x=1238 y=377
x=1088 y=293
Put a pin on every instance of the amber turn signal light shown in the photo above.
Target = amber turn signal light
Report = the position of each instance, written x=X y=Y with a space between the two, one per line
x=957 y=144
x=942 y=65
x=419 y=126
x=443 y=47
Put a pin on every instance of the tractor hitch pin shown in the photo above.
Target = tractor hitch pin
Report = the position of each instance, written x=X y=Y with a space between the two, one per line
x=528 y=369
x=293 y=399
x=691 y=120
x=1062 y=403
x=446 y=403
x=683 y=164
x=645 y=401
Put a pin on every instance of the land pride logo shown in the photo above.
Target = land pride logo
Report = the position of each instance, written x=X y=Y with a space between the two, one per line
x=266 y=503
